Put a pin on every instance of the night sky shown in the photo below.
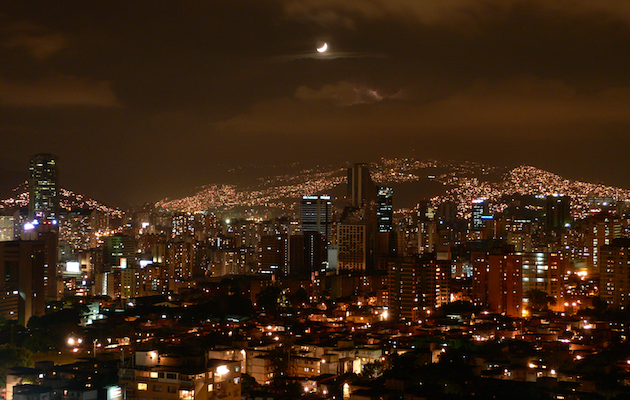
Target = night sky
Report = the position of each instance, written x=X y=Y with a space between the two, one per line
x=147 y=99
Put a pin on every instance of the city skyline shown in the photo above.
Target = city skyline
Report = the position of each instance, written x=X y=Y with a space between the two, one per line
x=142 y=102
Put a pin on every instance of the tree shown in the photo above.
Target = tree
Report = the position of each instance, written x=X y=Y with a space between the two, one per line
x=539 y=300
x=267 y=300
x=12 y=356
x=299 y=298
x=372 y=370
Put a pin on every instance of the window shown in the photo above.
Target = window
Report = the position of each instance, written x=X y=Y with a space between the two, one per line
x=157 y=388
x=172 y=389
x=186 y=394
x=171 y=376
x=210 y=387
x=237 y=380
x=142 y=386
x=154 y=375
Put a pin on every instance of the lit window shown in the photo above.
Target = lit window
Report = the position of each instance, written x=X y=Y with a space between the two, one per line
x=142 y=386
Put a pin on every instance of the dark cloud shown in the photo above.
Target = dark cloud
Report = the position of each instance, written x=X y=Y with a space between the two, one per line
x=146 y=99
x=34 y=39
x=57 y=91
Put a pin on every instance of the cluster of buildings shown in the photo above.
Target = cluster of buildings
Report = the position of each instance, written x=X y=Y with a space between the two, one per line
x=412 y=262
x=529 y=256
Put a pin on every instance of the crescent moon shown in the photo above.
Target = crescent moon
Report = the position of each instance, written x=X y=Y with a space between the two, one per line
x=323 y=48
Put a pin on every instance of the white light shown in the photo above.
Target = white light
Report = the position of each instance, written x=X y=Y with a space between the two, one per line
x=222 y=370
x=73 y=266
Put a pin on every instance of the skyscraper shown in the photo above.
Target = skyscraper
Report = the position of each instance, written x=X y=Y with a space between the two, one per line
x=361 y=189
x=44 y=194
x=558 y=212
x=479 y=214
x=384 y=210
x=316 y=215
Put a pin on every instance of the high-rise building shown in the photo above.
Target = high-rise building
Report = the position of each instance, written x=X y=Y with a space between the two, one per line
x=273 y=254
x=361 y=189
x=307 y=254
x=119 y=251
x=22 y=288
x=316 y=215
x=384 y=209
x=479 y=214
x=558 y=212
x=417 y=285
x=353 y=247
x=44 y=193
x=498 y=281
x=602 y=228
x=543 y=272
x=615 y=273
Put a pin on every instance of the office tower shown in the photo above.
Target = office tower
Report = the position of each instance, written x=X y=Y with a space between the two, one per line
x=558 y=212
x=498 y=281
x=615 y=273
x=307 y=254
x=361 y=189
x=22 y=289
x=352 y=245
x=447 y=212
x=479 y=214
x=384 y=210
x=273 y=254
x=119 y=251
x=316 y=215
x=44 y=193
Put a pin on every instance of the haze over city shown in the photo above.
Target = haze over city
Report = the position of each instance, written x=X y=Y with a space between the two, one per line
x=147 y=100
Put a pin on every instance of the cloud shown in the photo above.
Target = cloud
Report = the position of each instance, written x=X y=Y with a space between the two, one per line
x=34 y=39
x=496 y=107
x=342 y=94
x=59 y=90
x=338 y=13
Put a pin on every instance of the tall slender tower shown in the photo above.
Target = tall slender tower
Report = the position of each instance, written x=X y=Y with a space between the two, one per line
x=361 y=189
x=44 y=194
x=384 y=210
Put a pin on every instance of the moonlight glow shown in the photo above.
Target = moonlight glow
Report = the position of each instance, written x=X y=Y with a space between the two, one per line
x=322 y=48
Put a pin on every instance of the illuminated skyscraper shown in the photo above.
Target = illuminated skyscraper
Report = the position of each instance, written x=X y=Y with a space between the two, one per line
x=384 y=210
x=44 y=194
x=316 y=215
x=479 y=214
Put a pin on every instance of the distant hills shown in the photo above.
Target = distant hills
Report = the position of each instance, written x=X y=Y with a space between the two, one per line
x=412 y=180
x=68 y=200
